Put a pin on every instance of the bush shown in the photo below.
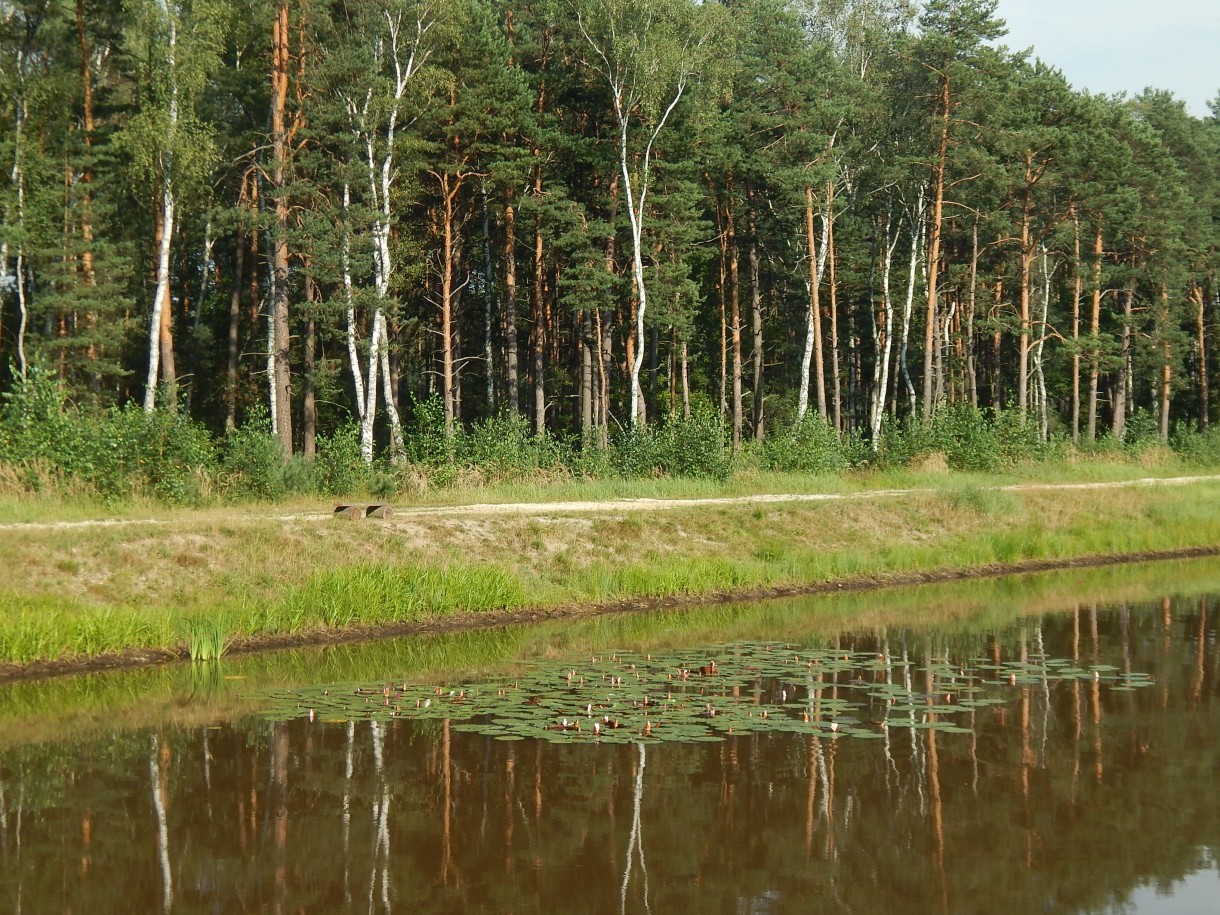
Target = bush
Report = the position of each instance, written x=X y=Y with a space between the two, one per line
x=35 y=422
x=125 y=452
x=162 y=453
x=691 y=446
x=969 y=438
x=255 y=465
x=810 y=446
x=1202 y=449
x=339 y=469
x=505 y=448
x=426 y=442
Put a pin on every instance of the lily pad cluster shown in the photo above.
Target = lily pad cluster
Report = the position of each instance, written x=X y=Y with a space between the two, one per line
x=743 y=687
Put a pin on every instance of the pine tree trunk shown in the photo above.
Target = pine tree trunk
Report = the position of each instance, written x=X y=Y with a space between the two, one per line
x=685 y=382
x=1077 y=291
x=309 y=407
x=1166 y=364
x=1198 y=299
x=447 y=243
x=1124 y=369
x=972 y=379
x=835 y=369
x=489 y=311
x=722 y=301
x=734 y=325
x=538 y=321
x=86 y=179
x=279 y=150
x=1027 y=256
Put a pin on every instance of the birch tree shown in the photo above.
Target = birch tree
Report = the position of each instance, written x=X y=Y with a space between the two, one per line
x=177 y=42
x=388 y=43
x=646 y=54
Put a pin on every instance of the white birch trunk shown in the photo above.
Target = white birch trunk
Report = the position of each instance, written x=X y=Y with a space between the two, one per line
x=406 y=62
x=18 y=181
x=884 y=340
x=391 y=406
x=802 y=406
x=159 y=805
x=628 y=95
x=23 y=309
x=1040 y=348
x=370 y=391
x=167 y=222
x=917 y=227
x=353 y=355
x=273 y=401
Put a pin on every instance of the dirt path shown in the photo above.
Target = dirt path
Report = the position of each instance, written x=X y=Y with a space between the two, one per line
x=617 y=505
x=486 y=509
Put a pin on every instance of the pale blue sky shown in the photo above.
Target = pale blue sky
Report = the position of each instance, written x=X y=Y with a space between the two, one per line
x=1125 y=45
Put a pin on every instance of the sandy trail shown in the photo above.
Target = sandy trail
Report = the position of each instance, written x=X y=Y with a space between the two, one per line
x=544 y=509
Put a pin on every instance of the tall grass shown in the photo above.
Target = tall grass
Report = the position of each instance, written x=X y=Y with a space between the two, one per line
x=113 y=587
x=207 y=638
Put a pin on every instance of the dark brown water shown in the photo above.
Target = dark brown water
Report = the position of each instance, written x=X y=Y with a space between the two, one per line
x=1069 y=796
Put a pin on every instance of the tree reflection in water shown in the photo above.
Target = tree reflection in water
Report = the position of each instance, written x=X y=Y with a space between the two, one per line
x=1068 y=797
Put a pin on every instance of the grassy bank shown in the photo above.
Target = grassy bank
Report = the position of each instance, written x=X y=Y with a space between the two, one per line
x=79 y=708
x=73 y=590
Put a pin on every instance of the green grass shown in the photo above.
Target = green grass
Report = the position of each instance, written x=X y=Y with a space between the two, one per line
x=75 y=707
x=67 y=592
x=207 y=638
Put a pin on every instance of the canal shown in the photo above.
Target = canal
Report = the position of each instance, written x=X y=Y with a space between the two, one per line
x=1037 y=744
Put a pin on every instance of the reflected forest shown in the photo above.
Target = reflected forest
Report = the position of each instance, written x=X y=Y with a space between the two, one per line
x=346 y=222
x=1065 y=796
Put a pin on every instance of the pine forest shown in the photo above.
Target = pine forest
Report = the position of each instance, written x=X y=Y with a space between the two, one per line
x=377 y=233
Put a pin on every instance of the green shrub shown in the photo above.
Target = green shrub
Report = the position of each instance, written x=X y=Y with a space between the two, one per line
x=1201 y=449
x=339 y=469
x=254 y=463
x=162 y=453
x=809 y=446
x=691 y=446
x=122 y=453
x=426 y=441
x=35 y=421
x=505 y=448
x=970 y=439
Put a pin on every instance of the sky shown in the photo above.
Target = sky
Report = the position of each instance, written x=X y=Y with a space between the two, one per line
x=1109 y=46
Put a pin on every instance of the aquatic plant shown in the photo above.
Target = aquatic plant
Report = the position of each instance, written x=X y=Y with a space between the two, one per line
x=625 y=697
x=208 y=638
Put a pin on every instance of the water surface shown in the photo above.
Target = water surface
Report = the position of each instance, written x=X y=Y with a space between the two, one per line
x=179 y=790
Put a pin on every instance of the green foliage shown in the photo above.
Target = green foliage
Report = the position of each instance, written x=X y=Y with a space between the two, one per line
x=34 y=421
x=427 y=443
x=338 y=469
x=207 y=638
x=1202 y=449
x=693 y=446
x=254 y=463
x=126 y=452
x=505 y=448
x=165 y=454
x=811 y=446
x=970 y=439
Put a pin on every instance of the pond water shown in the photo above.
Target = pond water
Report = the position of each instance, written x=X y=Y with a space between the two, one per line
x=1043 y=744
